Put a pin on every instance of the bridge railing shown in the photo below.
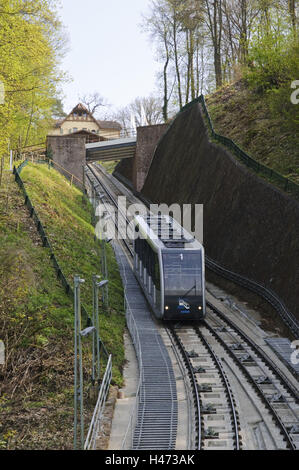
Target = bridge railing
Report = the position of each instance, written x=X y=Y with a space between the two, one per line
x=117 y=134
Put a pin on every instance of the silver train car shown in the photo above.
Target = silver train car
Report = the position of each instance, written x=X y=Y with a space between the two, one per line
x=170 y=267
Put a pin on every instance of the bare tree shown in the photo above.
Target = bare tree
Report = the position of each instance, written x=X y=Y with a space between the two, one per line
x=158 y=26
x=142 y=107
x=215 y=25
x=93 y=101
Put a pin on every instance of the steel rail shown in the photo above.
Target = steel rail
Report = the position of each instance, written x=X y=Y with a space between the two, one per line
x=258 y=350
x=197 y=401
x=111 y=197
x=267 y=294
x=155 y=426
x=255 y=385
x=235 y=422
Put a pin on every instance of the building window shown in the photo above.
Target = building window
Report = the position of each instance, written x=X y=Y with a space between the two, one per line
x=93 y=130
x=61 y=131
x=75 y=129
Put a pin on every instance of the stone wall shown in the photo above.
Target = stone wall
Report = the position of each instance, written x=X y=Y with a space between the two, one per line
x=69 y=152
x=136 y=169
x=250 y=226
x=147 y=140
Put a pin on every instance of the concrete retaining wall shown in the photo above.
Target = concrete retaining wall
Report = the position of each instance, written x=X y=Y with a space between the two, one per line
x=69 y=152
x=250 y=227
x=136 y=169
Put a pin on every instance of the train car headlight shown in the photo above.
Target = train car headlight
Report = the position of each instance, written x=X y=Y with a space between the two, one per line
x=166 y=308
x=199 y=308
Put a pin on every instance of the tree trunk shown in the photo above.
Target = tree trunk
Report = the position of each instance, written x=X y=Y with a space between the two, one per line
x=165 y=98
x=188 y=69
x=191 y=58
x=177 y=68
x=218 y=69
x=292 y=10
x=244 y=33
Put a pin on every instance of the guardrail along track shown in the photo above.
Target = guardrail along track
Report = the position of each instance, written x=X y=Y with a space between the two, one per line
x=97 y=183
x=276 y=404
x=155 y=423
x=272 y=387
x=268 y=295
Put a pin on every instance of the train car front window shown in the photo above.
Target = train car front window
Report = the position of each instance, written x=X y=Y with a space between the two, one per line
x=182 y=274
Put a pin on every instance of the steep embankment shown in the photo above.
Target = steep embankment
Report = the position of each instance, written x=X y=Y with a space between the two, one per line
x=249 y=226
x=36 y=315
x=258 y=126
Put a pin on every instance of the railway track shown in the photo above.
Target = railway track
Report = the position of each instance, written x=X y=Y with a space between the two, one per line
x=275 y=391
x=208 y=382
x=213 y=397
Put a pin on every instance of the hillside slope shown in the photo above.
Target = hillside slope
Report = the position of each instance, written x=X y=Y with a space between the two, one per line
x=248 y=118
x=36 y=316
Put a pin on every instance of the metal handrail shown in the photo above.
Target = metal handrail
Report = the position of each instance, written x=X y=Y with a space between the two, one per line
x=92 y=435
x=49 y=161
x=266 y=293
x=122 y=134
x=132 y=327
x=73 y=177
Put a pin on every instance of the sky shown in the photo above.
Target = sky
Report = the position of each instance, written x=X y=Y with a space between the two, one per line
x=108 y=52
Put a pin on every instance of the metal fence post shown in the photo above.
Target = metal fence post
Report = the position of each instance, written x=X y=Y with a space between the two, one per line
x=105 y=273
x=11 y=160
x=96 y=340
x=78 y=364
x=84 y=180
x=98 y=369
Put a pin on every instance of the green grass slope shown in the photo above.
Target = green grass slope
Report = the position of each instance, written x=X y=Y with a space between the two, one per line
x=248 y=118
x=36 y=316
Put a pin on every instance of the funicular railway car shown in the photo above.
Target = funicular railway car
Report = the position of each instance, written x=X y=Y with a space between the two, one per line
x=169 y=265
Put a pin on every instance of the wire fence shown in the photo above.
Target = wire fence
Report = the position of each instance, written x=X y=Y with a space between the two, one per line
x=268 y=173
x=46 y=243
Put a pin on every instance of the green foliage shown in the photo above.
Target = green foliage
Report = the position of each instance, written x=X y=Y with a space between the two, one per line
x=36 y=315
x=68 y=224
x=31 y=43
x=259 y=125
x=110 y=166
x=273 y=66
x=273 y=61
